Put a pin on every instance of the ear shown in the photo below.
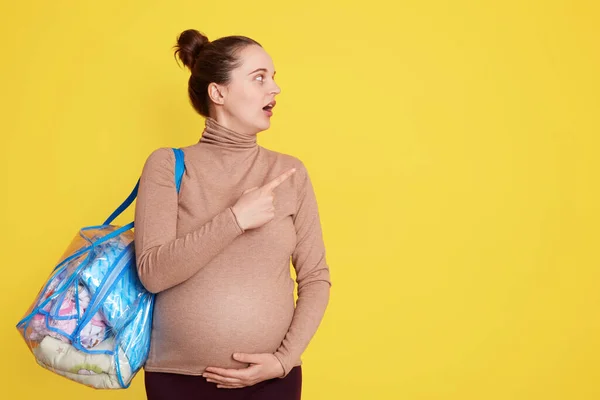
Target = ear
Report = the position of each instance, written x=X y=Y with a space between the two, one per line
x=216 y=93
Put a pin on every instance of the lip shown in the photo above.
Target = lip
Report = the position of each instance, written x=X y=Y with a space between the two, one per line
x=270 y=112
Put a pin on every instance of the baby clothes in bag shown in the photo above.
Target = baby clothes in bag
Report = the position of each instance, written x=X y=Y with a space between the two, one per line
x=92 y=319
x=96 y=370
x=64 y=324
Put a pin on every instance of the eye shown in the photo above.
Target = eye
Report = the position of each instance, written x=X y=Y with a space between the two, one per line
x=260 y=76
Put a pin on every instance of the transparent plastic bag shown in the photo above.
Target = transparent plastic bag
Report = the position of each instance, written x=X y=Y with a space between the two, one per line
x=91 y=321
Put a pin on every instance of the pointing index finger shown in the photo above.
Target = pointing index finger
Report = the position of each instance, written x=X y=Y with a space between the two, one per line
x=279 y=180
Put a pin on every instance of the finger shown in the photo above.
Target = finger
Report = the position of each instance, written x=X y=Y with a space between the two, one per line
x=230 y=386
x=221 y=379
x=251 y=189
x=227 y=373
x=279 y=180
x=217 y=382
x=246 y=357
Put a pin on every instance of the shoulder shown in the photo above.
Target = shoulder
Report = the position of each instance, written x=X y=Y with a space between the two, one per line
x=161 y=159
x=285 y=161
x=282 y=162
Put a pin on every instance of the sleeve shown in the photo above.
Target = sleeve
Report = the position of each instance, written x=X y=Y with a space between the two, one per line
x=312 y=276
x=164 y=260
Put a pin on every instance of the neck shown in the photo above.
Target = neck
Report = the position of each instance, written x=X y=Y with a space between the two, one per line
x=229 y=121
x=216 y=133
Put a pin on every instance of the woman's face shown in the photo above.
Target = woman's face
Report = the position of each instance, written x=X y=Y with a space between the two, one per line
x=240 y=104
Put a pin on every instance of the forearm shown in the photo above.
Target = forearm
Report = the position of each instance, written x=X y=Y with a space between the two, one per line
x=312 y=302
x=163 y=266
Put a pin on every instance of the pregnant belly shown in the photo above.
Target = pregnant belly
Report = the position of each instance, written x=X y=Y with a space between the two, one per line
x=211 y=324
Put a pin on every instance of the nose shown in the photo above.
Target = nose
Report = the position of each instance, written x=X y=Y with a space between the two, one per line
x=276 y=89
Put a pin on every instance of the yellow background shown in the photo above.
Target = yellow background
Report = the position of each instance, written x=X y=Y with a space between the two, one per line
x=453 y=146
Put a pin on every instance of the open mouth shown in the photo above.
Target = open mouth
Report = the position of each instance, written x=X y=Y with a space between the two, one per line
x=269 y=107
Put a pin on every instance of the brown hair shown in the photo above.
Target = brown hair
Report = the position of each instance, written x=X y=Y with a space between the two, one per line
x=208 y=62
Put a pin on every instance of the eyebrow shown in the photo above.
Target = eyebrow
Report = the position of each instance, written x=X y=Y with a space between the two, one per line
x=261 y=69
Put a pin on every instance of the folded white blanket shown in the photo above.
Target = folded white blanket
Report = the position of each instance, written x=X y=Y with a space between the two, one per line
x=95 y=370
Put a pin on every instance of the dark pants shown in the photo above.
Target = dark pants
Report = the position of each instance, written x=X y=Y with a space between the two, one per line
x=166 y=386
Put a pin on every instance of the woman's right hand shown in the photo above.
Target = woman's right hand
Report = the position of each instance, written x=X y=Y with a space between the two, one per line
x=255 y=207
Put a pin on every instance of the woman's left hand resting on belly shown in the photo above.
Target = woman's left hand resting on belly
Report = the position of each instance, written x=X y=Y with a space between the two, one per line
x=263 y=366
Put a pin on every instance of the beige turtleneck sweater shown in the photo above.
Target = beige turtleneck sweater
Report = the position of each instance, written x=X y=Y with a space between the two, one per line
x=220 y=289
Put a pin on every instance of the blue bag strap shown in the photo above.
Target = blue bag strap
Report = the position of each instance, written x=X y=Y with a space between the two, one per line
x=179 y=171
x=124 y=205
x=179 y=167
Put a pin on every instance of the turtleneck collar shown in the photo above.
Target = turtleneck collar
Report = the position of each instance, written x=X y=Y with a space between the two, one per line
x=216 y=134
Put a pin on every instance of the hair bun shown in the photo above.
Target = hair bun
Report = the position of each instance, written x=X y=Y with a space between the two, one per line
x=189 y=44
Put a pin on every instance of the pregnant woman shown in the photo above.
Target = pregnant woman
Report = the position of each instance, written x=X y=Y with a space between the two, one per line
x=218 y=253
